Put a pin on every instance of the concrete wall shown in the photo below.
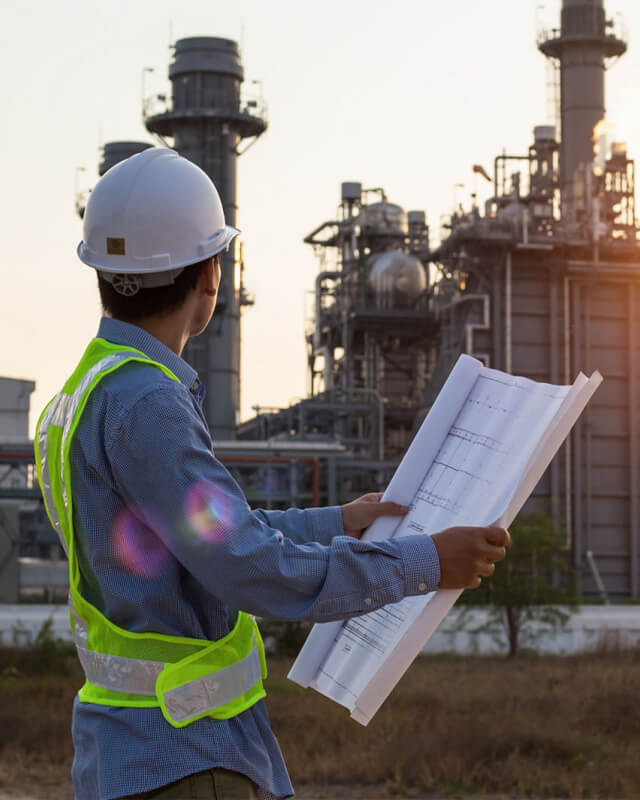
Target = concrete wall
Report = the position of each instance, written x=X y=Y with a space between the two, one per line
x=15 y=397
x=590 y=629
x=9 y=552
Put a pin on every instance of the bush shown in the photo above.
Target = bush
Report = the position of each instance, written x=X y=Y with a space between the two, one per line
x=45 y=655
x=534 y=588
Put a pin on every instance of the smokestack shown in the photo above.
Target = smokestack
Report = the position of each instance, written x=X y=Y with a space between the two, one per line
x=582 y=46
x=208 y=119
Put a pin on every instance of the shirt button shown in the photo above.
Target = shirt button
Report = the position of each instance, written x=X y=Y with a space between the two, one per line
x=422 y=587
x=368 y=601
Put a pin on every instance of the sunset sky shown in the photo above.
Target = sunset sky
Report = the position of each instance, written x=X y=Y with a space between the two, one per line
x=407 y=96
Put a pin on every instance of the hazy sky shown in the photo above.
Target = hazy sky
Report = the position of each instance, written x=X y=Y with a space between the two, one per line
x=406 y=95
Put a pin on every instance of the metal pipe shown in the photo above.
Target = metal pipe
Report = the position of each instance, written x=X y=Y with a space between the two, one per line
x=587 y=266
x=380 y=401
x=293 y=483
x=577 y=437
x=504 y=157
x=586 y=304
x=316 y=481
x=471 y=327
x=309 y=239
x=634 y=465
x=314 y=460
x=553 y=374
x=596 y=577
x=496 y=317
x=320 y=277
x=507 y=313
x=327 y=369
x=331 y=481
x=567 y=463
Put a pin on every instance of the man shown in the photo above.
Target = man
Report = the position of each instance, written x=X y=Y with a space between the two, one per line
x=167 y=561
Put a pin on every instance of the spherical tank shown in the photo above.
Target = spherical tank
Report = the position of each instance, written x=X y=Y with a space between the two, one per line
x=397 y=271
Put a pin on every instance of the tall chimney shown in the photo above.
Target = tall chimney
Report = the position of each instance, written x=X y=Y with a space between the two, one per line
x=582 y=46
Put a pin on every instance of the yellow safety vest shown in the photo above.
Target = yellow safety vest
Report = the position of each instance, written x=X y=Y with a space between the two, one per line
x=187 y=678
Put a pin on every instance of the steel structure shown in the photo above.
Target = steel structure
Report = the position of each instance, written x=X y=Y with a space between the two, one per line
x=206 y=121
x=372 y=345
x=546 y=282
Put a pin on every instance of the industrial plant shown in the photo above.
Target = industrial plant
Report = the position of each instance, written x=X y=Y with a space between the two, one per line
x=542 y=280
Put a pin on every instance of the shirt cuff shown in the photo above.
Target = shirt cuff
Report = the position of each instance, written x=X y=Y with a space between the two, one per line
x=421 y=564
x=325 y=523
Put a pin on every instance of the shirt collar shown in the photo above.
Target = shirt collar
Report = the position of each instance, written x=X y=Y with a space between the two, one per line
x=118 y=332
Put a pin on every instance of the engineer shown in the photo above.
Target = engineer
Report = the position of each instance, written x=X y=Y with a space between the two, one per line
x=167 y=561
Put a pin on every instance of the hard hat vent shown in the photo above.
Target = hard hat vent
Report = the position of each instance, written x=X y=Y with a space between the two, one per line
x=126 y=285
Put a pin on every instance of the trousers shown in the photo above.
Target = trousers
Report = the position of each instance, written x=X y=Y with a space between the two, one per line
x=212 y=784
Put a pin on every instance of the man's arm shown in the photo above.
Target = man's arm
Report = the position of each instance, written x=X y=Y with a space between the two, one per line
x=322 y=524
x=305 y=525
x=165 y=471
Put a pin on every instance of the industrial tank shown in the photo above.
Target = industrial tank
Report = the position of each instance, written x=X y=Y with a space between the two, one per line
x=398 y=274
x=382 y=219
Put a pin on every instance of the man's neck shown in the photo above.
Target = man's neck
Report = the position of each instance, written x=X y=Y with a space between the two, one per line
x=170 y=329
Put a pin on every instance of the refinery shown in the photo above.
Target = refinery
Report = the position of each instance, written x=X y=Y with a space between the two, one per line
x=541 y=280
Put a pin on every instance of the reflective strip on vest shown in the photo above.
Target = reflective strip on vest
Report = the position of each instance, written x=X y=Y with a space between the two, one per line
x=214 y=690
x=56 y=414
x=119 y=673
x=60 y=413
x=137 y=676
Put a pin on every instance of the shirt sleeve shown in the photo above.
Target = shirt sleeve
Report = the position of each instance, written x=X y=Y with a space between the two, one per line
x=308 y=525
x=164 y=469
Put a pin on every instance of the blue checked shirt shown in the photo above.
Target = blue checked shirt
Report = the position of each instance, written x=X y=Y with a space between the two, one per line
x=167 y=543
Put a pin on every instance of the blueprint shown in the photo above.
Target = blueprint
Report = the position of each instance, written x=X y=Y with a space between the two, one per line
x=475 y=460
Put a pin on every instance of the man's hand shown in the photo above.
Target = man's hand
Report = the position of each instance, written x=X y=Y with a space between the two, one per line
x=359 y=514
x=469 y=554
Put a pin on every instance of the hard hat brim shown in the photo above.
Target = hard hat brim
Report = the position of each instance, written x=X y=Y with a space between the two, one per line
x=157 y=262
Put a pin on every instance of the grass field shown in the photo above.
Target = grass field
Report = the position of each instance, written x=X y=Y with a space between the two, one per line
x=526 y=727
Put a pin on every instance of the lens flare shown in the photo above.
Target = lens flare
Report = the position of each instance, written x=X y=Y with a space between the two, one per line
x=137 y=546
x=208 y=513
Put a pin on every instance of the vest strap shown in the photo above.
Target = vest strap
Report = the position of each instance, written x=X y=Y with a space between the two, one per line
x=180 y=701
x=198 y=697
x=119 y=674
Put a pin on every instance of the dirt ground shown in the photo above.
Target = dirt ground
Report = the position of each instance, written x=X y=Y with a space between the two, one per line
x=478 y=729
x=313 y=793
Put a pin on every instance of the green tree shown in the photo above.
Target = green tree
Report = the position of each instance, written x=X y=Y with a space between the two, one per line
x=533 y=588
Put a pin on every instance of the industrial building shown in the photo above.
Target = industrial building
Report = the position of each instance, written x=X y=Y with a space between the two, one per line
x=542 y=281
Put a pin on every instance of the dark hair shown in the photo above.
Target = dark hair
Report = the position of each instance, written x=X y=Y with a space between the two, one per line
x=151 y=301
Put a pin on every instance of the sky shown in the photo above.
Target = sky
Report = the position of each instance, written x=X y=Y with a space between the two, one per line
x=407 y=96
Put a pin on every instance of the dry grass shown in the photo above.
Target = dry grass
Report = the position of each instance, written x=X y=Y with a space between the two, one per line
x=529 y=727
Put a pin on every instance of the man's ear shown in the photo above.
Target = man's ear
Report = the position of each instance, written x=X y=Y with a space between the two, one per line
x=206 y=282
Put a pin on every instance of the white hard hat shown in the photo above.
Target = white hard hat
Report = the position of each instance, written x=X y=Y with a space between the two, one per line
x=150 y=216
